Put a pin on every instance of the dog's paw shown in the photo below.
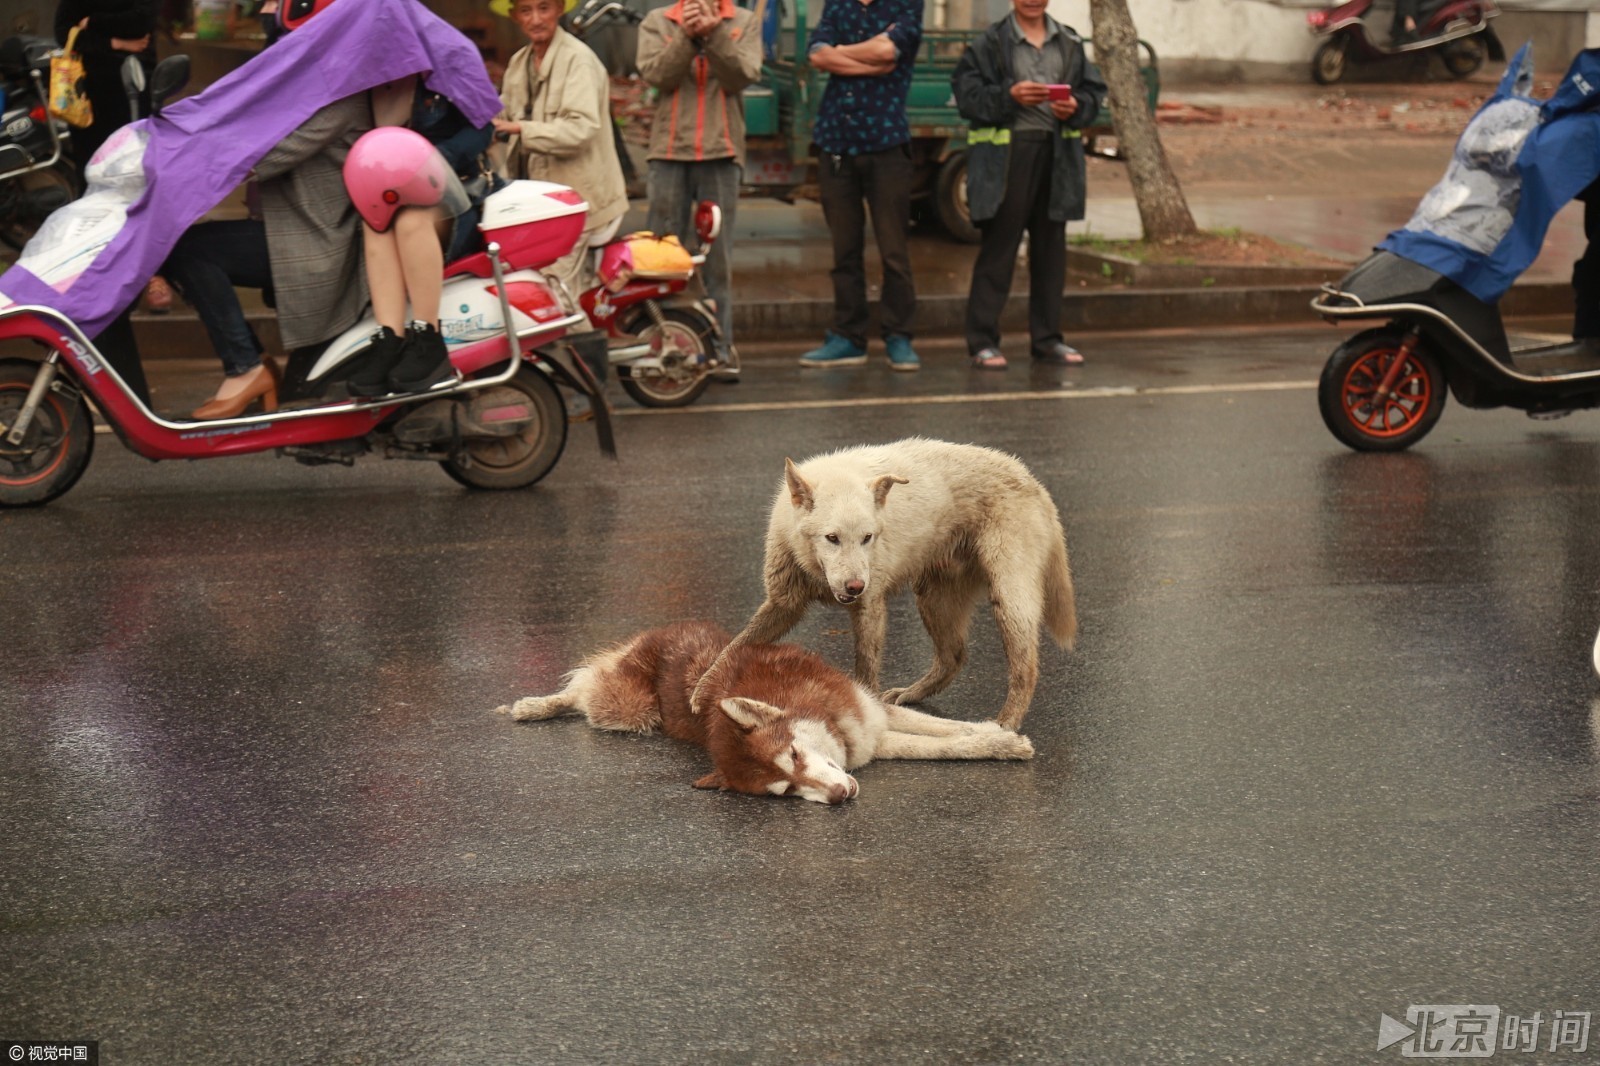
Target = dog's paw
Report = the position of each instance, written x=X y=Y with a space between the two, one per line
x=896 y=696
x=1009 y=745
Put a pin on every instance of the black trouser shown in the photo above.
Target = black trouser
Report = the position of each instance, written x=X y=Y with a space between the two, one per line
x=851 y=186
x=1586 y=271
x=1025 y=208
x=117 y=346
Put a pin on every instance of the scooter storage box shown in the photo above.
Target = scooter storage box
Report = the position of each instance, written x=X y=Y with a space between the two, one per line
x=534 y=222
x=644 y=255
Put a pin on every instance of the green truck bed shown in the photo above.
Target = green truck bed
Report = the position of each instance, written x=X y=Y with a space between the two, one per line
x=785 y=103
x=781 y=112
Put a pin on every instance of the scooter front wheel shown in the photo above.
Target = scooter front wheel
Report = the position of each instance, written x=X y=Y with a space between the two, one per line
x=1348 y=392
x=516 y=461
x=1329 y=61
x=56 y=446
x=682 y=343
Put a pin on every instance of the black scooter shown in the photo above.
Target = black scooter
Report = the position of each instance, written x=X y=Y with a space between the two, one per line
x=1384 y=389
x=36 y=175
x=1517 y=162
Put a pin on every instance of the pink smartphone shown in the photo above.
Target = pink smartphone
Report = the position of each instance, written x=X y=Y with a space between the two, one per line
x=1060 y=92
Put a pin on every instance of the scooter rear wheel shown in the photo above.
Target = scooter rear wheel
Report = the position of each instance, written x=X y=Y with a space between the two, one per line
x=683 y=344
x=1329 y=61
x=1348 y=393
x=56 y=448
x=518 y=461
x=1464 y=57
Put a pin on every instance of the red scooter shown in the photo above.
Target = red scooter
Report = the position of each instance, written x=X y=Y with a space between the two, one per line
x=1458 y=30
x=663 y=347
x=500 y=424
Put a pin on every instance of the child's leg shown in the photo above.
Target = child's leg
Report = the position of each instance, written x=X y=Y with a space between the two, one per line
x=385 y=277
x=387 y=286
x=426 y=360
x=421 y=259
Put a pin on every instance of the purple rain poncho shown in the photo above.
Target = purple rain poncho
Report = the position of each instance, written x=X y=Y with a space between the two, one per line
x=162 y=175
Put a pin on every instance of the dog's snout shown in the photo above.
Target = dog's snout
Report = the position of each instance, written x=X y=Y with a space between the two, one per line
x=855 y=586
x=838 y=794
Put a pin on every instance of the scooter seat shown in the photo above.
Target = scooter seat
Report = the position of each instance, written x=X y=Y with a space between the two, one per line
x=476 y=264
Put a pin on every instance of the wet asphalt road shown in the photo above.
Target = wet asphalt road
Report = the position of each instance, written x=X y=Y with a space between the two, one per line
x=1327 y=747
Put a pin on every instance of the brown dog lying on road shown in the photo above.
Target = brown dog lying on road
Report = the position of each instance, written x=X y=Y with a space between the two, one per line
x=782 y=723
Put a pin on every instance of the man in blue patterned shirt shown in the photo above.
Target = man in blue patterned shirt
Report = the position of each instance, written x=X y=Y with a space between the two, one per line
x=863 y=144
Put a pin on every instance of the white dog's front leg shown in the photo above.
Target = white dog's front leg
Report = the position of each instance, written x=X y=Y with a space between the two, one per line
x=772 y=619
x=869 y=621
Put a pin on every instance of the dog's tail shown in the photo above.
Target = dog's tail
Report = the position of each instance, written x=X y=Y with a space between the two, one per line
x=538 y=708
x=1060 y=602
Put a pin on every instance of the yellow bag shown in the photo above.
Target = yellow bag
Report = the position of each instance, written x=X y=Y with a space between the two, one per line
x=69 y=98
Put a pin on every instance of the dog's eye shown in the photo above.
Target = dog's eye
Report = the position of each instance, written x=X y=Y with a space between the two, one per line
x=867 y=539
x=831 y=538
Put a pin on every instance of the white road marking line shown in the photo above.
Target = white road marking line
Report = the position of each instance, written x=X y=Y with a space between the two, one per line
x=1105 y=392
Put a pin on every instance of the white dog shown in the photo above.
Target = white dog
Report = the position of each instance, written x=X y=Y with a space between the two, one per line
x=951 y=522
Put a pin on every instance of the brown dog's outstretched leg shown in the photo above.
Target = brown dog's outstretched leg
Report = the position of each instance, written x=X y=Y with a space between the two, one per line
x=996 y=744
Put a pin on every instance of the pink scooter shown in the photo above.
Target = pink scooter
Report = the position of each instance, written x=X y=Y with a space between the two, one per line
x=662 y=343
x=500 y=424
x=1458 y=30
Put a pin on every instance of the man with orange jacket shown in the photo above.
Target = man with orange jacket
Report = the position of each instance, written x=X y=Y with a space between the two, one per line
x=699 y=55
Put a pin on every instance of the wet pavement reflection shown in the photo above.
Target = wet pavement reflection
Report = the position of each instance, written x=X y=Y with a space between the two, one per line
x=1327 y=747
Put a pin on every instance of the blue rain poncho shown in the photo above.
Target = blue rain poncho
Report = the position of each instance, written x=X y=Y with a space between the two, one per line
x=1516 y=164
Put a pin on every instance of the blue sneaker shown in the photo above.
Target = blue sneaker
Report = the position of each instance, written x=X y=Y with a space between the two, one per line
x=901 y=357
x=835 y=351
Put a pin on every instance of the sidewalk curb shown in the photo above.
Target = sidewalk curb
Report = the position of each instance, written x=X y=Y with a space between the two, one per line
x=180 y=335
x=1118 y=310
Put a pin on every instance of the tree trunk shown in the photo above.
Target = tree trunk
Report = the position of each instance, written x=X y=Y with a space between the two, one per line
x=1163 y=211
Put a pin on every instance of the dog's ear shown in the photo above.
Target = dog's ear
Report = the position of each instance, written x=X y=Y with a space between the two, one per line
x=749 y=714
x=711 y=780
x=881 y=487
x=799 y=489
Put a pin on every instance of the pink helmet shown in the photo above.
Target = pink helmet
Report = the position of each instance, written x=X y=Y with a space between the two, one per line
x=392 y=167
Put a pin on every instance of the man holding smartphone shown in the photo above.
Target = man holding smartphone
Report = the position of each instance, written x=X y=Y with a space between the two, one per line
x=1027 y=88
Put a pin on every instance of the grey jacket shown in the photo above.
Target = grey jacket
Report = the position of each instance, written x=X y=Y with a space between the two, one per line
x=313 y=230
x=982 y=85
x=699 y=103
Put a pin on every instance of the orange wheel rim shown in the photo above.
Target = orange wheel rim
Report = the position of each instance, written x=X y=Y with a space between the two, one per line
x=1393 y=415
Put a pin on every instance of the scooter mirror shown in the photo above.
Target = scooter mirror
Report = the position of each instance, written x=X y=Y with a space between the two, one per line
x=168 y=79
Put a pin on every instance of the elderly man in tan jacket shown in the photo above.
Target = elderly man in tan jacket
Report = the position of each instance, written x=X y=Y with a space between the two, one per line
x=699 y=55
x=558 y=116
